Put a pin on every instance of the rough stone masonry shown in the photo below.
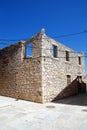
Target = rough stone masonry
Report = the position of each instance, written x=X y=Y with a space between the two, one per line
x=53 y=71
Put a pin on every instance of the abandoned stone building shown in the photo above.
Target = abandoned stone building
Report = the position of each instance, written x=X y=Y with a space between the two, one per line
x=41 y=69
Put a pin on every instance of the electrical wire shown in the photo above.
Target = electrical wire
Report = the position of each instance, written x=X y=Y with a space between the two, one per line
x=60 y=36
x=72 y=34
x=30 y=48
x=37 y=48
x=67 y=35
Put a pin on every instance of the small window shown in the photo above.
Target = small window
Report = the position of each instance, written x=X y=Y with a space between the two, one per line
x=54 y=51
x=79 y=60
x=29 y=50
x=68 y=79
x=67 y=55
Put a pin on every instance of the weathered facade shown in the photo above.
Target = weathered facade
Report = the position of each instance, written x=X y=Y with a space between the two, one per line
x=53 y=71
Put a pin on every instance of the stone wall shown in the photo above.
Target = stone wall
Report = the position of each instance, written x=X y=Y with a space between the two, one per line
x=55 y=71
x=21 y=76
x=42 y=77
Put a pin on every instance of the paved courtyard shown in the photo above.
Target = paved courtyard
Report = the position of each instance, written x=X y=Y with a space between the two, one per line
x=66 y=114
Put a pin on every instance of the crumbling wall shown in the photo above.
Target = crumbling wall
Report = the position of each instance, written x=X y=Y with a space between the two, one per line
x=20 y=76
x=42 y=77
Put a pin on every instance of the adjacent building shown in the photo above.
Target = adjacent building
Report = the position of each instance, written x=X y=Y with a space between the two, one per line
x=41 y=70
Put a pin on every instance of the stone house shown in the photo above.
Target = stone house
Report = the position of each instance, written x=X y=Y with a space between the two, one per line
x=41 y=69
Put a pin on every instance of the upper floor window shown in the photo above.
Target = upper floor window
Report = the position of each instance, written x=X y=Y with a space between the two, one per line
x=79 y=60
x=54 y=51
x=67 y=55
x=29 y=50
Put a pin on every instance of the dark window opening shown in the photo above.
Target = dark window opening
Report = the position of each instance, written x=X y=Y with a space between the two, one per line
x=54 y=51
x=67 y=55
x=79 y=60
x=29 y=50
x=68 y=79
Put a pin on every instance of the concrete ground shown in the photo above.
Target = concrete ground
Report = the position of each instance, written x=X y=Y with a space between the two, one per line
x=66 y=114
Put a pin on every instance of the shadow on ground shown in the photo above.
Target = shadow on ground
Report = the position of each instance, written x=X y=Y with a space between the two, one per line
x=80 y=99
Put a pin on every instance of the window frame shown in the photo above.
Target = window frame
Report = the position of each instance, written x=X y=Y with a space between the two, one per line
x=28 y=50
x=79 y=60
x=54 y=51
x=67 y=55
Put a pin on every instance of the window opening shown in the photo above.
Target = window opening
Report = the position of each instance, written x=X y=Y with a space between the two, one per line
x=68 y=79
x=79 y=60
x=54 y=51
x=67 y=55
x=29 y=50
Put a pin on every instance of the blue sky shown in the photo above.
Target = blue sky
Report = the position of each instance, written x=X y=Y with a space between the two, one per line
x=21 y=19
